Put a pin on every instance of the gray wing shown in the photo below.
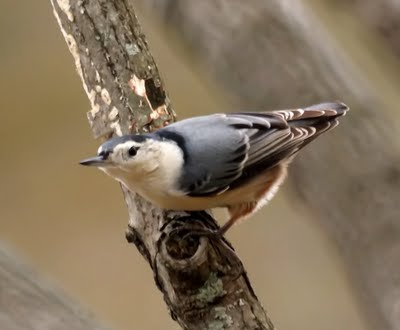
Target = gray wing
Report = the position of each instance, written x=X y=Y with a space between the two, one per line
x=229 y=149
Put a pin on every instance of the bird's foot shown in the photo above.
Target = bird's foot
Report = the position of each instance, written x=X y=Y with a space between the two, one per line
x=187 y=232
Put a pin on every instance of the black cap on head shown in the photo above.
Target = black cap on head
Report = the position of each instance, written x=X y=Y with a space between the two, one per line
x=108 y=146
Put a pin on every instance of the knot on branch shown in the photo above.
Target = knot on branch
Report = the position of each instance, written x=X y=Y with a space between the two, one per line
x=193 y=269
x=184 y=238
x=188 y=241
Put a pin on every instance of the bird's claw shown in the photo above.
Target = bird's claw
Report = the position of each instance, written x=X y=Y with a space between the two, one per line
x=198 y=232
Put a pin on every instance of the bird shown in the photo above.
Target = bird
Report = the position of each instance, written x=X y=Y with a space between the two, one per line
x=235 y=161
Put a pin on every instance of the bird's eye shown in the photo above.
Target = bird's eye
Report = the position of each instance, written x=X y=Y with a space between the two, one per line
x=132 y=151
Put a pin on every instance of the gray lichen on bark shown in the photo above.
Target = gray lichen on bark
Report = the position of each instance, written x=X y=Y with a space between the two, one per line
x=202 y=280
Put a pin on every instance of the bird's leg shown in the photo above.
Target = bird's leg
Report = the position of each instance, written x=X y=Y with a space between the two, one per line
x=237 y=212
x=226 y=226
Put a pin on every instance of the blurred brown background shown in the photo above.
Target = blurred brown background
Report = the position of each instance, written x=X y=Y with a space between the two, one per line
x=69 y=222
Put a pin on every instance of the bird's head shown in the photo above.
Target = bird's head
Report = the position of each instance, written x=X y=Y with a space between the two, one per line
x=134 y=159
x=133 y=154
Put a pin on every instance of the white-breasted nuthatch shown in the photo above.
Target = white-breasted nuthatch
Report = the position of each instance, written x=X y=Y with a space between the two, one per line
x=236 y=161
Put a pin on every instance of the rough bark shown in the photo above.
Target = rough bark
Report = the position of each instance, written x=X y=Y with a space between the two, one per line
x=202 y=280
x=27 y=302
x=277 y=54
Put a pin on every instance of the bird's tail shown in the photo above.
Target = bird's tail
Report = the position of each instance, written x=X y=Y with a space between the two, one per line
x=319 y=118
x=322 y=116
x=308 y=123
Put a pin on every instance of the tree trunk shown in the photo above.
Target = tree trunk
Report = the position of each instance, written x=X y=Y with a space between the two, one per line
x=202 y=280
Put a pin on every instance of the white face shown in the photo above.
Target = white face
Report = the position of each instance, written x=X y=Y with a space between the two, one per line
x=135 y=158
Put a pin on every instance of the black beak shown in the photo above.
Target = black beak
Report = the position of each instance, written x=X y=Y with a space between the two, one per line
x=98 y=161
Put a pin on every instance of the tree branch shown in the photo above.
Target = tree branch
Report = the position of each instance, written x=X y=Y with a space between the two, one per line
x=202 y=280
